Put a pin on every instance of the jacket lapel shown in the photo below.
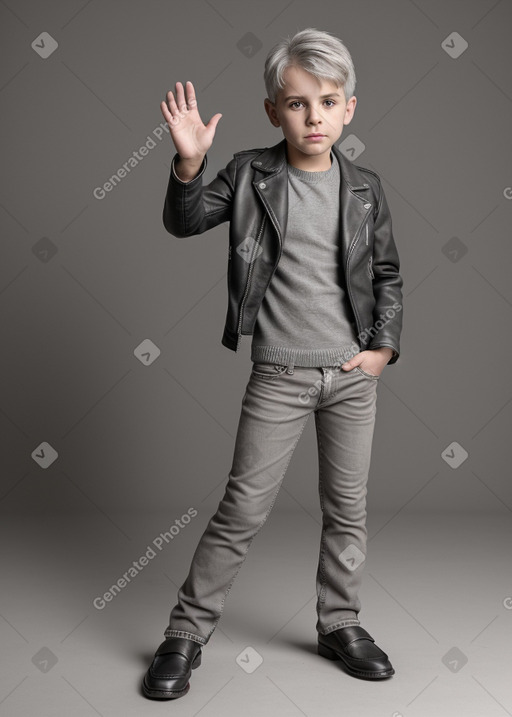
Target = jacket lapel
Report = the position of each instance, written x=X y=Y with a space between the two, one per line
x=354 y=199
x=271 y=185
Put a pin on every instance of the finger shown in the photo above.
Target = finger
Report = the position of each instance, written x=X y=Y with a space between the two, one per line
x=167 y=105
x=169 y=109
x=191 y=96
x=172 y=104
x=214 y=121
x=353 y=362
x=180 y=97
x=349 y=365
x=165 y=111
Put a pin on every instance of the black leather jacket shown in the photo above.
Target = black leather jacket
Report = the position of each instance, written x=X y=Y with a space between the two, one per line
x=252 y=194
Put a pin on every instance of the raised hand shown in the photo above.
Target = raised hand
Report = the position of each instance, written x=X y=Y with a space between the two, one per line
x=191 y=137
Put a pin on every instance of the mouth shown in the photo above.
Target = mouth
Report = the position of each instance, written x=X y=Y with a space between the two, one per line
x=308 y=136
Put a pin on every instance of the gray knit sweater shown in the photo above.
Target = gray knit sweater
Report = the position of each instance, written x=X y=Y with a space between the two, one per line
x=305 y=318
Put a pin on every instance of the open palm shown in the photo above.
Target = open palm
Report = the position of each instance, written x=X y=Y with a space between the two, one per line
x=191 y=137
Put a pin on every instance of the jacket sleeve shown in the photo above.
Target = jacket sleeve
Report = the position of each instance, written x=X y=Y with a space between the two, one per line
x=387 y=282
x=191 y=208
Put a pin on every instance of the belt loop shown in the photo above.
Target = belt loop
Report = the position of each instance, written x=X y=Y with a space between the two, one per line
x=290 y=367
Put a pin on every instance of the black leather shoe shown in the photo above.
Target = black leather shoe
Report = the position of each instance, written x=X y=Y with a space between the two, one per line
x=358 y=652
x=169 y=673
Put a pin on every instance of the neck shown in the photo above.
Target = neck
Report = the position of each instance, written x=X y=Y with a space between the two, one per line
x=317 y=163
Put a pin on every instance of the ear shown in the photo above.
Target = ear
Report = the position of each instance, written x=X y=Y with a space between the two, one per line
x=270 y=109
x=350 y=109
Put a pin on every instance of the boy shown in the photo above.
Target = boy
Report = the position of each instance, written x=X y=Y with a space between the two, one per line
x=313 y=276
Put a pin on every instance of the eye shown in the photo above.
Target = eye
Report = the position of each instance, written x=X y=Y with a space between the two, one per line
x=298 y=102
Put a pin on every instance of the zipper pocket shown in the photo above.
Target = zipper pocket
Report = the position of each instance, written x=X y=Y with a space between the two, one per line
x=370 y=268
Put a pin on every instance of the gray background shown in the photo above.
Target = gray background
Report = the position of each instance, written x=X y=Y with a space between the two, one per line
x=84 y=281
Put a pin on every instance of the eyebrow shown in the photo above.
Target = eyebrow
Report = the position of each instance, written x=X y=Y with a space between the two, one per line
x=298 y=97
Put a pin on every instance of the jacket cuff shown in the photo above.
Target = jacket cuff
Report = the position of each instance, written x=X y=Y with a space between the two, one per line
x=198 y=175
x=394 y=356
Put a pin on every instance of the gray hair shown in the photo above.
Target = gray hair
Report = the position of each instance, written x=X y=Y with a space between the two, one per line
x=318 y=52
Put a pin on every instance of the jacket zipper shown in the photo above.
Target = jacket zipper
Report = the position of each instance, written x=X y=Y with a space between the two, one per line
x=350 y=251
x=356 y=238
x=246 y=291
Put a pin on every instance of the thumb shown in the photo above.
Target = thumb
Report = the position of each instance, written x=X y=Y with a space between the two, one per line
x=349 y=365
x=212 y=124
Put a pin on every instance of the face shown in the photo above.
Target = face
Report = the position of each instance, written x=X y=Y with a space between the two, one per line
x=309 y=106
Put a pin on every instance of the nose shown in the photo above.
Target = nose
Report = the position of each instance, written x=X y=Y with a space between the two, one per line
x=314 y=116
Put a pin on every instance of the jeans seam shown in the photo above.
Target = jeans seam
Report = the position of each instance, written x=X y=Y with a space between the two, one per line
x=368 y=375
x=270 y=376
x=184 y=633
x=341 y=623
x=323 y=582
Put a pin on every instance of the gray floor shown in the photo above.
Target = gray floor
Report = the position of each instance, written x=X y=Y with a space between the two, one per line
x=437 y=596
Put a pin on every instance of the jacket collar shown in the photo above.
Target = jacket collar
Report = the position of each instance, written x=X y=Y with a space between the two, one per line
x=274 y=160
x=355 y=192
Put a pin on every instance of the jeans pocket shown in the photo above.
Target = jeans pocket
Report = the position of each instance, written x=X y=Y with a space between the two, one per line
x=267 y=371
x=367 y=375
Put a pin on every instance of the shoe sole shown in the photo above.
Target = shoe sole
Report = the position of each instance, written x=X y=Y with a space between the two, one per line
x=330 y=654
x=163 y=694
x=154 y=694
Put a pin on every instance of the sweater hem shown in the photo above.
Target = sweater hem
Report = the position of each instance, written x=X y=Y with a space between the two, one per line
x=304 y=357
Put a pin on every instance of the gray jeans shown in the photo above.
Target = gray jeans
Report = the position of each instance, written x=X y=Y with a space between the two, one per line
x=275 y=408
